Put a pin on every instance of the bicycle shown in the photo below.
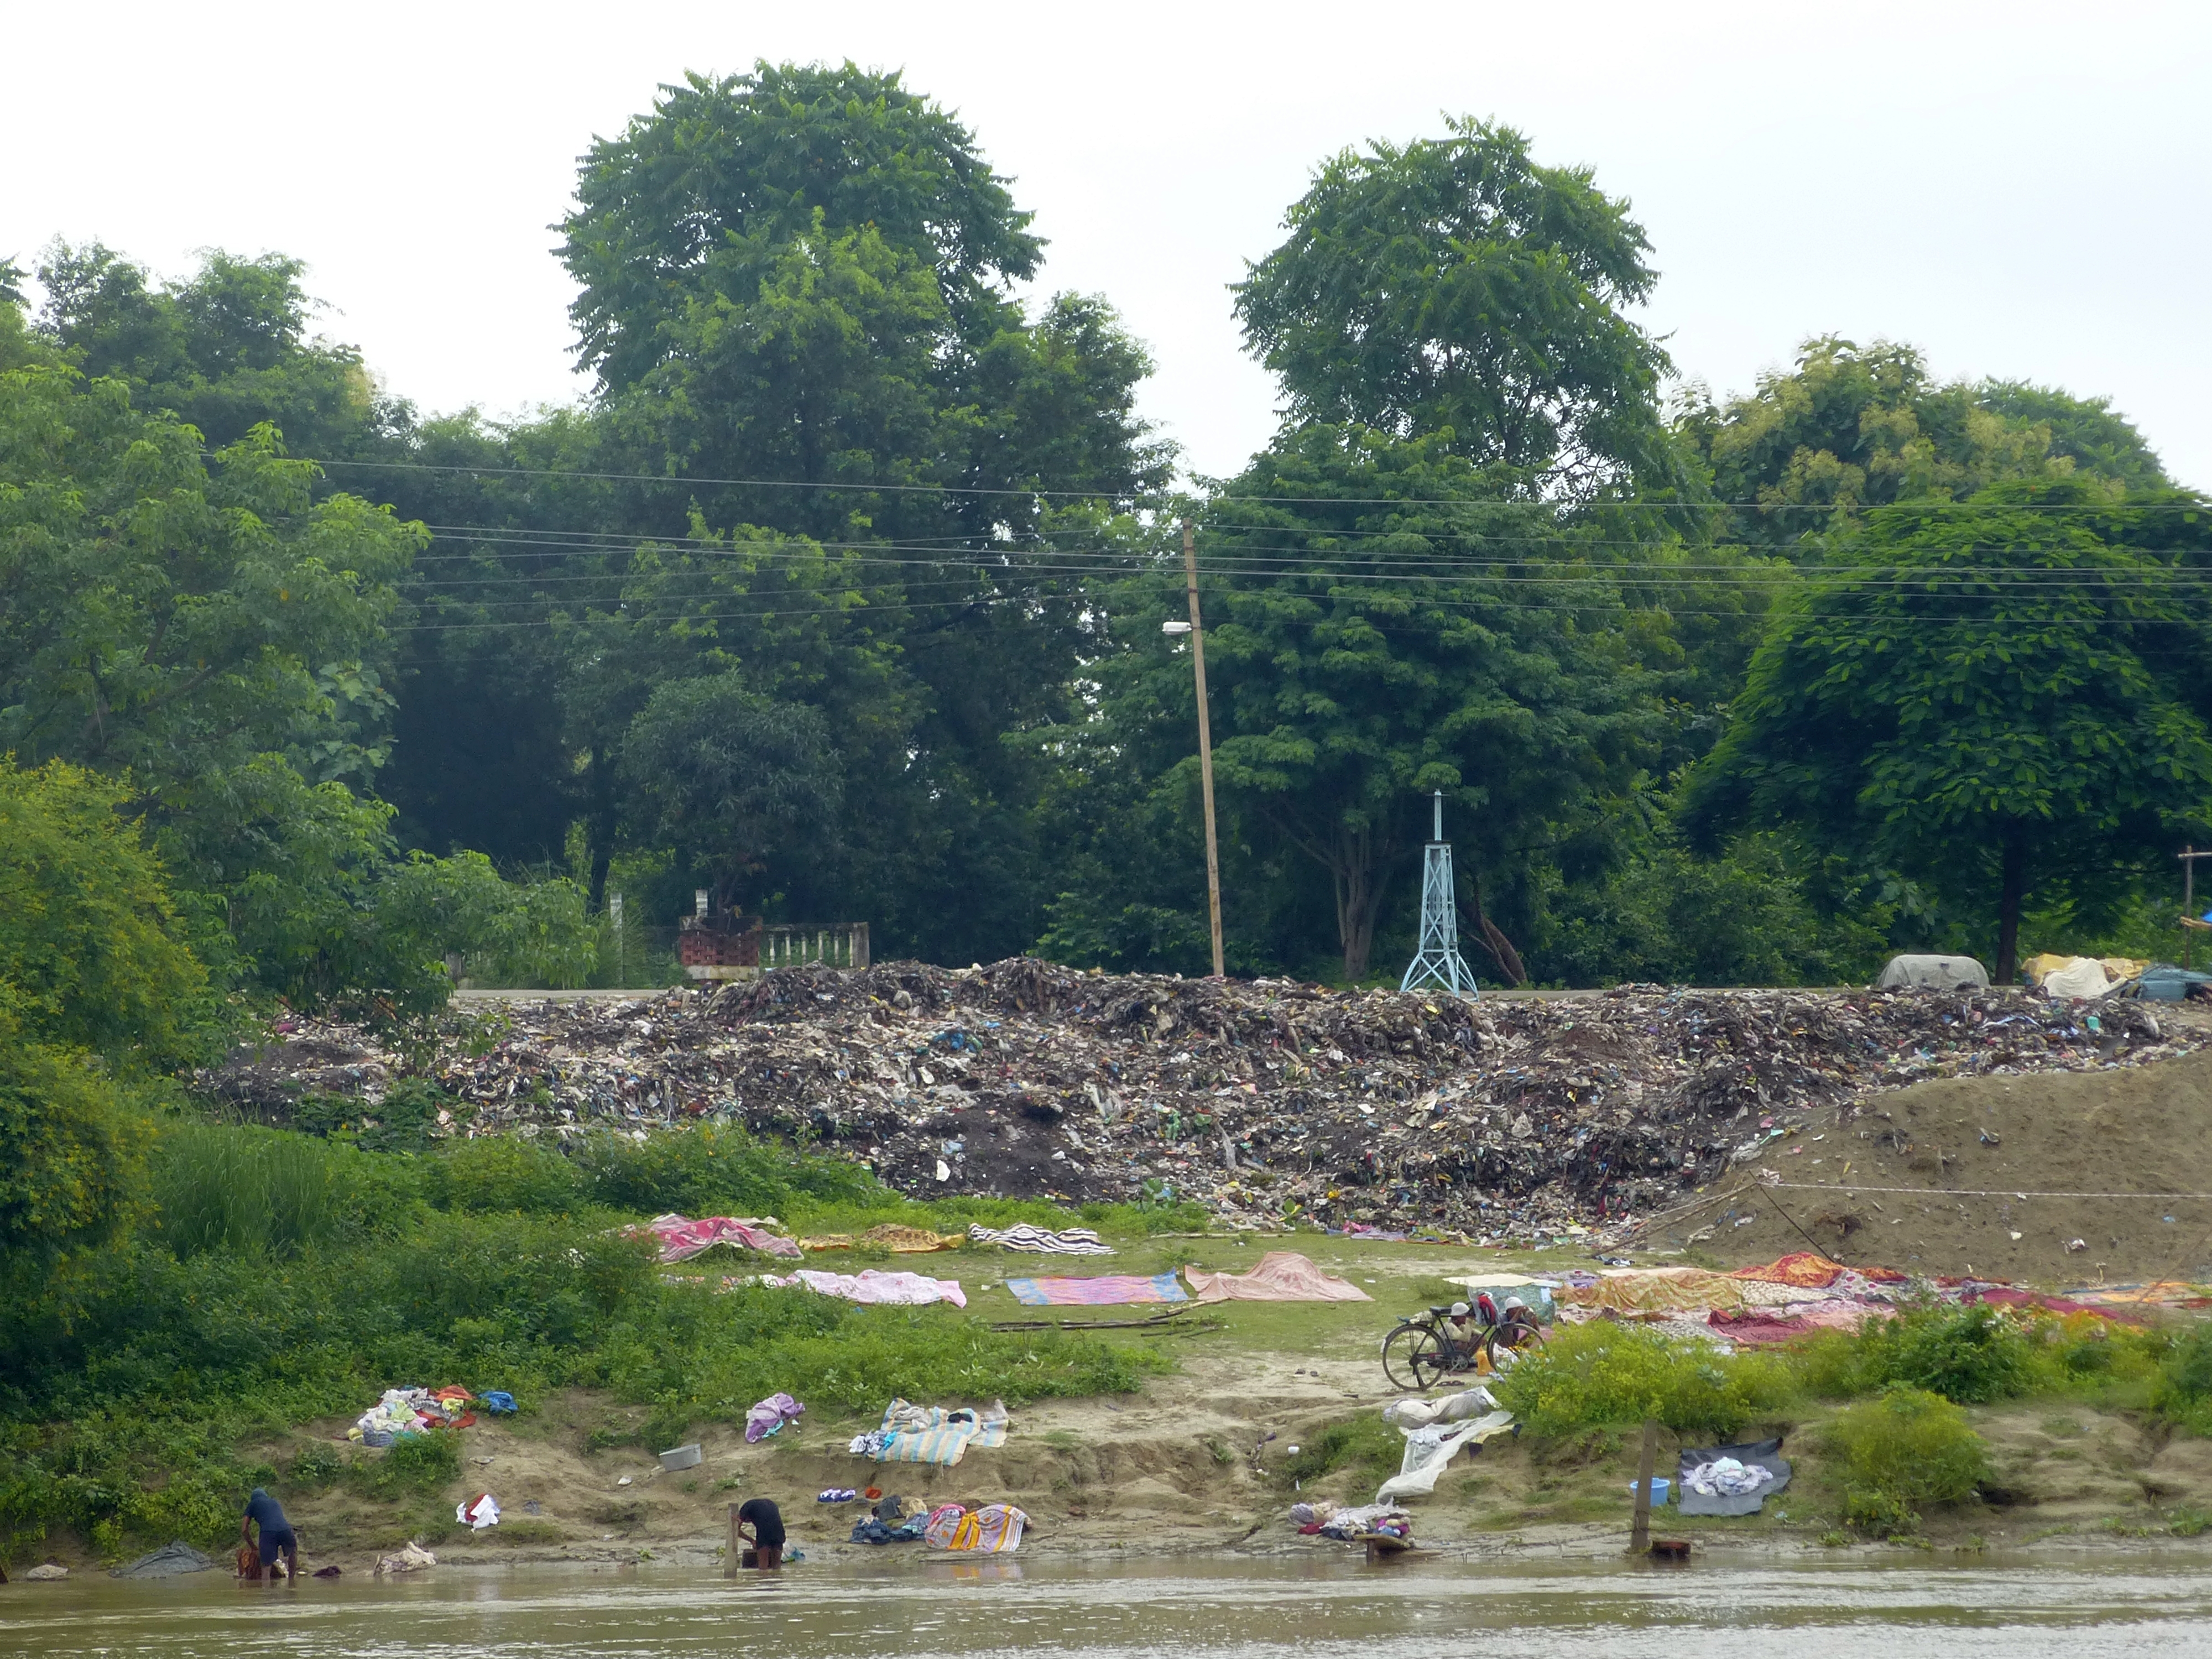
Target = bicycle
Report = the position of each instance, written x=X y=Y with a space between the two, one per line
x=1423 y=1349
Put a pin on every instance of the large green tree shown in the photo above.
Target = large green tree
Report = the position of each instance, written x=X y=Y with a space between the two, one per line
x=2002 y=698
x=835 y=427
x=1850 y=426
x=1379 y=627
x=1455 y=289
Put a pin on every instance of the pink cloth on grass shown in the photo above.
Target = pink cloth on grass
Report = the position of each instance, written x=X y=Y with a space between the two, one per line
x=1278 y=1276
x=681 y=1239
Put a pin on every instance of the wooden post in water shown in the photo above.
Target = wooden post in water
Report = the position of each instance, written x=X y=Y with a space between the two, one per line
x=1639 y=1534
x=737 y=1546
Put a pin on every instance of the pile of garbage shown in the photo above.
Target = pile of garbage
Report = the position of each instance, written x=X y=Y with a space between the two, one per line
x=1264 y=1100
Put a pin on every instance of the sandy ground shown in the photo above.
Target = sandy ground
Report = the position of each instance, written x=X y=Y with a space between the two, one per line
x=1999 y=1176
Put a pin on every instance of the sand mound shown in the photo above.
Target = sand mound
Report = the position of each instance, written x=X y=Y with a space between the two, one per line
x=2000 y=1173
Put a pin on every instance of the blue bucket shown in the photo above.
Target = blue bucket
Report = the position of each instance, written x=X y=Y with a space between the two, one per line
x=1660 y=1488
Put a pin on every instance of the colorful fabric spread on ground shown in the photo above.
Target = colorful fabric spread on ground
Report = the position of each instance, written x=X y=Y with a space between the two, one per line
x=1808 y=1272
x=1069 y=1241
x=1358 y=1521
x=681 y=1238
x=873 y=1287
x=996 y=1529
x=1099 y=1292
x=895 y=1237
x=411 y=1411
x=1278 y=1276
x=767 y=1416
x=931 y=1434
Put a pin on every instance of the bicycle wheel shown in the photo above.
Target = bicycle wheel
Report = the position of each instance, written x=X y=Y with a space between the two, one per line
x=1506 y=1343
x=1413 y=1358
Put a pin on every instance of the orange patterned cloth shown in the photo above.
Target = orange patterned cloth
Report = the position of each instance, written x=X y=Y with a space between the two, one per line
x=1809 y=1271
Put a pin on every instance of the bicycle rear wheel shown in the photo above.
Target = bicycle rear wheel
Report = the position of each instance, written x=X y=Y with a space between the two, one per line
x=1413 y=1358
x=1508 y=1342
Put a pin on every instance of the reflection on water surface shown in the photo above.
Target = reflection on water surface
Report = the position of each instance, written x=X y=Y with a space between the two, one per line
x=1225 y=1608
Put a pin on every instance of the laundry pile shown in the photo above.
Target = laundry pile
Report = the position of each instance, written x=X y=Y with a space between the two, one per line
x=681 y=1239
x=1265 y=1100
x=767 y=1416
x=996 y=1529
x=411 y=1411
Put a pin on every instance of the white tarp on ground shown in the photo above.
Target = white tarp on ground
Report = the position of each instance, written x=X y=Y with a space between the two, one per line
x=1453 y=1408
x=1938 y=973
x=1428 y=1450
x=2083 y=979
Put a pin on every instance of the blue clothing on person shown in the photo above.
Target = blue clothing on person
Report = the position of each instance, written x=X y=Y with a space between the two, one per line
x=266 y=1513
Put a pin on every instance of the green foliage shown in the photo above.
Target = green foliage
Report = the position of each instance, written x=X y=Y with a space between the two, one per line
x=1669 y=916
x=1990 y=697
x=1367 y=1446
x=1972 y=1355
x=504 y=1175
x=413 y=1462
x=255 y=1192
x=1454 y=288
x=93 y=954
x=726 y=778
x=1607 y=1375
x=1903 y=1449
x=70 y=1158
x=2182 y=1391
x=226 y=349
x=712 y=1170
x=1853 y=427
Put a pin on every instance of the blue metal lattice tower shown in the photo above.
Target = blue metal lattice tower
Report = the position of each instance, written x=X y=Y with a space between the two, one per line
x=1438 y=960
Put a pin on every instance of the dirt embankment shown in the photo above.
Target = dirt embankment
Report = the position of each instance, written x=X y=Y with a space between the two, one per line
x=2054 y=1179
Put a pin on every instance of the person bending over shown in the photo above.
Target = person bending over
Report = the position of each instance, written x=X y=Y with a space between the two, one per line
x=766 y=1536
x=277 y=1537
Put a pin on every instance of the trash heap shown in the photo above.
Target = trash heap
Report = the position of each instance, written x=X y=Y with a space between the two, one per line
x=1265 y=1100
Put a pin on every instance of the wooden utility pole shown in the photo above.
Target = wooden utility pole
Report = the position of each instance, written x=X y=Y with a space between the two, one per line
x=1639 y=1530
x=737 y=1546
x=1205 y=743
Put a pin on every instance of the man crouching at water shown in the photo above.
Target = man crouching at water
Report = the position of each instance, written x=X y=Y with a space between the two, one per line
x=277 y=1537
x=766 y=1536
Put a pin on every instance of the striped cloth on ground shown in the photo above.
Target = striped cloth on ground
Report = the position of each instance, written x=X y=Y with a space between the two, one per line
x=1102 y=1291
x=1023 y=1235
x=931 y=1434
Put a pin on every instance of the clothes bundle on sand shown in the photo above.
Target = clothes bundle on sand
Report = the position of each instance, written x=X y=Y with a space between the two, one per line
x=873 y=1287
x=1363 y=1519
x=681 y=1238
x=931 y=1434
x=478 y=1512
x=413 y=1558
x=1022 y=1235
x=767 y=1416
x=1430 y=1450
x=895 y=1237
x=411 y=1411
x=1278 y=1276
x=1453 y=1408
x=1105 y=1290
x=996 y=1529
x=1731 y=1479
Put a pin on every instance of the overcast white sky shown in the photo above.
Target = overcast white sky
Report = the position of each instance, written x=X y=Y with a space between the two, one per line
x=2020 y=189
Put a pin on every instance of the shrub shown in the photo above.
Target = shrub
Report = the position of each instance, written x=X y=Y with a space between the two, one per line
x=1608 y=1375
x=1971 y=1355
x=70 y=1163
x=413 y=1462
x=504 y=1175
x=711 y=1169
x=1366 y=1444
x=1904 y=1448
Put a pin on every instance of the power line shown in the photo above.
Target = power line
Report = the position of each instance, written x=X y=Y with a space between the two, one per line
x=1098 y=493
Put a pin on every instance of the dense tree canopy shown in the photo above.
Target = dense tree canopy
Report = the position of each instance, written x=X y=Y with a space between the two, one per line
x=1456 y=289
x=2001 y=698
x=841 y=596
x=1853 y=427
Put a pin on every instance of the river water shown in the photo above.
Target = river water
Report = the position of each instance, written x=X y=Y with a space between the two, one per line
x=1212 y=1608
